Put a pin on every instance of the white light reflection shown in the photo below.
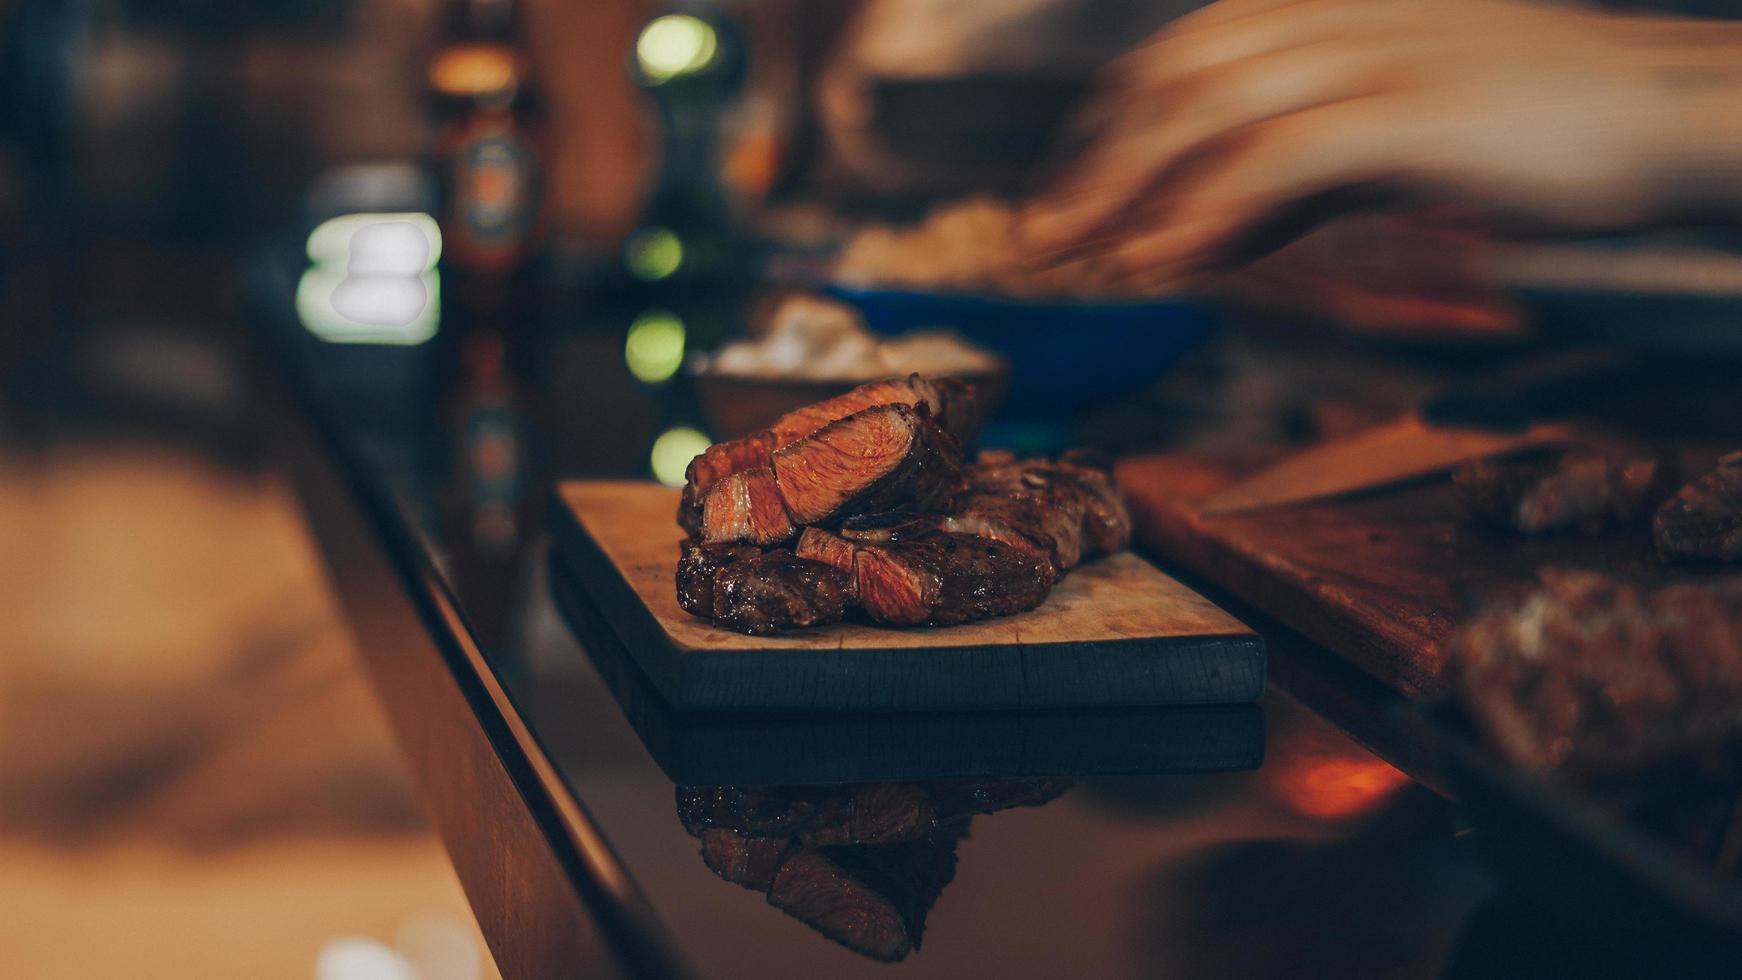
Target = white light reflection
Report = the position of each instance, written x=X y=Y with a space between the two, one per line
x=344 y=309
x=672 y=453
x=405 y=242
x=361 y=958
x=372 y=279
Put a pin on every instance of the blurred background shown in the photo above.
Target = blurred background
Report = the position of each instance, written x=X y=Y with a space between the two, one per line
x=521 y=227
x=194 y=778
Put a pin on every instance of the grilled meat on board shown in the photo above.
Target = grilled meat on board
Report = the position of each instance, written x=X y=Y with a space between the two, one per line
x=1066 y=508
x=880 y=496
x=949 y=401
x=885 y=457
x=753 y=591
x=1535 y=496
x=935 y=577
x=1591 y=675
x=1703 y=521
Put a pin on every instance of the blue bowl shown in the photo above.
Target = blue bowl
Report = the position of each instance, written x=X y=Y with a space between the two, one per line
x=1064 y=355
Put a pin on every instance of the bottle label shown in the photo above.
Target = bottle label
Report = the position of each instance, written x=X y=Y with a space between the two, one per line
x=495 y=193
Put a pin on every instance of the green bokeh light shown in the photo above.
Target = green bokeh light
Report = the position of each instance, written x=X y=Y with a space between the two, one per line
x=654 y=348
x=653 y=253
x=672 y=453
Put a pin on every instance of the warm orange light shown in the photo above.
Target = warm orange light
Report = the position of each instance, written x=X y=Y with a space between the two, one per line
x=474 y=70
x=1333 y=788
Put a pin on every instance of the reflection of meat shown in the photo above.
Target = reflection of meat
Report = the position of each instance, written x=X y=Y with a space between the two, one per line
x=1534 y=496
x=882 y=458
x=863 y=865
x=743 y=859
x=872 y=900
x=1594 y=675
x=873 y=813
x=949 y=401
x=935 y=576
x=1703 y=521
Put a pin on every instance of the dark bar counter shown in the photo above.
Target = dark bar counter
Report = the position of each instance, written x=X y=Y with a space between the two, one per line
x=1296 y=838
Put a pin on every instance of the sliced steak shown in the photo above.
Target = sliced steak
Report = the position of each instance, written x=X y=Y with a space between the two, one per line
x=1703 y=521
x=746 y=507
x=1590 y=674
x=779 y=591
x=697 y=564
x=884 y=458
x=935 y=577
x=1534 y=496
x=949 y=401
x=871 y=899
x=1063 y=510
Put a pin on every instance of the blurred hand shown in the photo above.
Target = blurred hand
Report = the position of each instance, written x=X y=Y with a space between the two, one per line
x=1247 y=122
x=1381 y=275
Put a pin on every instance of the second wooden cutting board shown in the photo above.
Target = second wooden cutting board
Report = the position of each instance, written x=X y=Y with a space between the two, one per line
x=1382 y=579
x=1115 y=631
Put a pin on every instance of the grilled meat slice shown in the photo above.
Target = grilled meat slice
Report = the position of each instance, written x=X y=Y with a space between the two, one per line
x=1589 y=674
x=1064 y=510
x=697 y=564
x=779 y=591
x=1534 y=496
x=1106 y=522
x=714 y=464
x=935 y=577
x=872 y=899
x=746 y=507
x=884 y=457
x=949 y=401
x=1060 y=511
x=1703 y=521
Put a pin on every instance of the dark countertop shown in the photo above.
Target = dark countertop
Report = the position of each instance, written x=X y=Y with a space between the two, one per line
x=1322 y=860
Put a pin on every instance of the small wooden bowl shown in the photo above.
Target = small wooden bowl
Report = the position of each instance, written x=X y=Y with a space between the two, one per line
x=737 y=405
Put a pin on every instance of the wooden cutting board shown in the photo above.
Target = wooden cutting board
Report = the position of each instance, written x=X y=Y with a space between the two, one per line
x=1382 y=579
x=1115 y=631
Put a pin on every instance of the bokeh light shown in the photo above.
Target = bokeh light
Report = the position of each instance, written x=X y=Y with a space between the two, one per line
x=672 y=453
x=654 y=347
x=474 y=70
x=372 y=279
x=406 y=243
x=341 y=308
x=673 y=45
x=653 y=253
